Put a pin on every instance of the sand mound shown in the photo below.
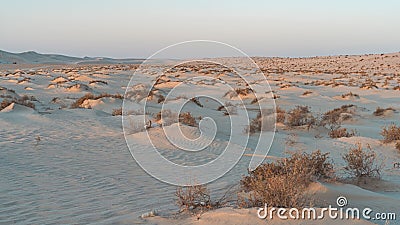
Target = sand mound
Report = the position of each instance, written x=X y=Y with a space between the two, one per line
x=17 y=108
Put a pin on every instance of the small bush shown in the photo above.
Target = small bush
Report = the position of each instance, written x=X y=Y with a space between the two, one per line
x=79 y=101
x=197 y=198
x=160 y=99
x=334 y=118
x=390 y=133
x=283 y=183
x=350 y=94
x=341 y=132
x=398 y=145
x=117 y=112
x=98 y=81
x=362 y=163
x=280 y=115
x=21 y=101
x=188 y=119
x=196 y=101
x=194 y=197
x=88 y=96
x=243 y=91
x=255 y=124
x=380 y=111
x=300 y=116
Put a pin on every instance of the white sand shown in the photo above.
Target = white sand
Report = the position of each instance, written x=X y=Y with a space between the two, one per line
x=80 y=171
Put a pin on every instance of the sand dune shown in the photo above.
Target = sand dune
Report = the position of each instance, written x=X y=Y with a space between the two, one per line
x=65 y=164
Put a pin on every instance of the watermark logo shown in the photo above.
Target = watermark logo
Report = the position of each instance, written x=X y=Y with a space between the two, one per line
x=187 y=121
x=331 y=212
x=341 y=201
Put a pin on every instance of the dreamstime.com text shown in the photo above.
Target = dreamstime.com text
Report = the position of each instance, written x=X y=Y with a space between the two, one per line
x=311 y=213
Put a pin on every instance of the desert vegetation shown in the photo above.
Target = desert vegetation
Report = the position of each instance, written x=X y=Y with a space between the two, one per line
x=24 y=100
x=341 y=132
x=117 y=112
x=187 y=119
x=300 y=116
x=196 y=199
x=391 y=133
x=283 y=183
x=90 y=96
x=380 y=111
x=362 y=162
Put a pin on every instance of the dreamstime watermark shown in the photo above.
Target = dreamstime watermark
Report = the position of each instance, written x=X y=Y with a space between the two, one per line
x=311 y=213
x=217 y=95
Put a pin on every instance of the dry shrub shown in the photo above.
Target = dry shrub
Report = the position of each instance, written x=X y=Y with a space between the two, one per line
x=362 y=163
x=283 y=183
x=255 y=124
x=79 y=101
x=380 y=111
x=350 y=94
x=197 y=198
x=192 y=198
x=196 y=101
x=237 y=92
x=160 y=99
x=390 y=133
x=398 y=145
x=117 y=112
x=98 y=81
x=90 y=96
x=307 y=93
x=254 y=101
x=280 y=115
x=21 y=101
x=243 y=91
x=341 y=132
x=334 y=118
x=263 y=121
x=187 y=119
x=300 y=116
x=168 y=117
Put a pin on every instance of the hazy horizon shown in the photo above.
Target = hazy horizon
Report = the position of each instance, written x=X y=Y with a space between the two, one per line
x=137 y=29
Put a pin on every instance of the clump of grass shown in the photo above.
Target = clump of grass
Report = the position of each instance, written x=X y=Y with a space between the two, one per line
x=341 y=132
x=255 y=124
x=98 y=81
x=187 y=119
x=350 y=94
x=334 y=118
x=197 y=199
x=243 y=91
x=398 y=145
x=191 y=198
x=300 y=116
x=391 y=133
x=196 y=101
x=380 y=111
x=280 y=115
x=160 y=99
x=21 y=101
x=283 y=183
x=362 y=163
x=90 y=96
x=117 y=112
x=237 y=92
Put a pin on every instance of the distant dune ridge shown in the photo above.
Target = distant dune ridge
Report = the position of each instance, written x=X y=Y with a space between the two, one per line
x=31 y=57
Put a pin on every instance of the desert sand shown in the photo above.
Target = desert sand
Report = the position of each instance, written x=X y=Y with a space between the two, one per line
x=66 y=161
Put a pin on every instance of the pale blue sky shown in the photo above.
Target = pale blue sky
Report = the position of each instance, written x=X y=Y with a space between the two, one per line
x=122 y=28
